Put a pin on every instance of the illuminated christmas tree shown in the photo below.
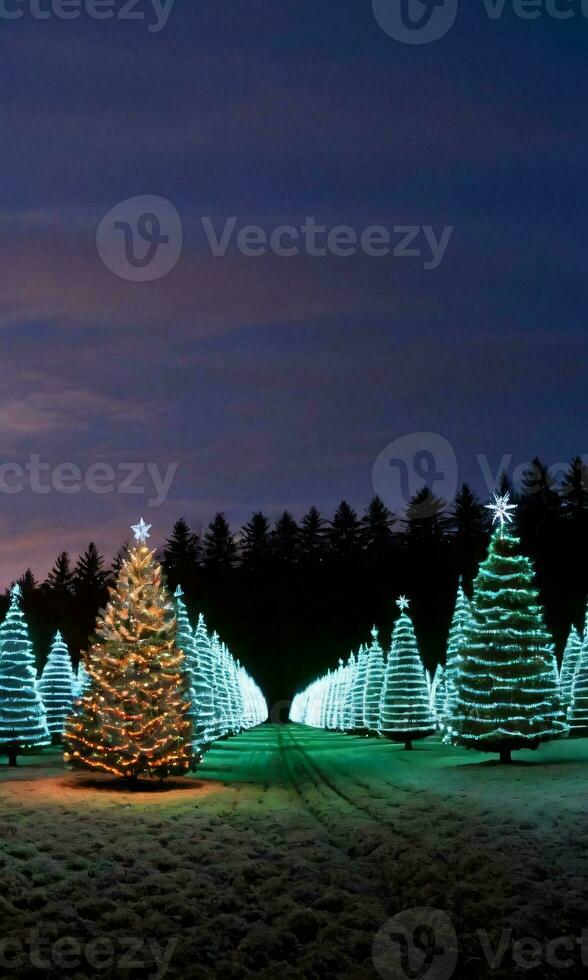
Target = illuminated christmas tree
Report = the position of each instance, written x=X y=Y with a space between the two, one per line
x=578 y=710
x=405 y=710
x=23 y=721
x=569 y=666
x=185 y=643
x=359 y=683
x=347 y=696
x=57 y=687
x=374 y=683
x=134 y=721
x=83 y=681
x=455 y=648
x=439 y=696
x=508 y=694
x=203 y=684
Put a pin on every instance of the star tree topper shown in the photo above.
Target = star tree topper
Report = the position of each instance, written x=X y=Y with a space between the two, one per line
x=403 y=603
x=501 y=510
x=141 y=531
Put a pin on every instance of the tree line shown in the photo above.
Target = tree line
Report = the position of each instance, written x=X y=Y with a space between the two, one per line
x=292 y=596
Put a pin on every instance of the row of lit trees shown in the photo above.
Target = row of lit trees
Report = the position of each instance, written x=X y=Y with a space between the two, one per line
x=148 y=698
x=500 y=688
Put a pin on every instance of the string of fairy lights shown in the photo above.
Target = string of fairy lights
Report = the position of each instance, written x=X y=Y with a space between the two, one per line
x=149 y=696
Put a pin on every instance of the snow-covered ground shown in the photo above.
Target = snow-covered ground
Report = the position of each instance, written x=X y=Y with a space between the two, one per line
x=286 y=854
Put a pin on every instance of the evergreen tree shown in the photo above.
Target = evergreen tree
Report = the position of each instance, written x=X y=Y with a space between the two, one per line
x=83 y=681
x=405 y=710
x=57 y=687
x=377 y=525
x=255 y=543
x=220 y=689
x=181 y=556
x=359 y=684
x=347 y=698
x=374 y=683
x=507 y=686
x=60 y=578
x=89 y=578
x=185 y=643
x=439 y=696
x=426 y=516
x=133 y=721
x=203 y=684
x=285 y=540
x=23 y=721
x=28 y=584
x=345 y=533
x=471 y=531
x=456 y=649
x=569 y=666
x=312 y=537
x=219 y=547
x=578 y=710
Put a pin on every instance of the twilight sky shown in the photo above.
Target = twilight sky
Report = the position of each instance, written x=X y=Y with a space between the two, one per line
x=275 y=382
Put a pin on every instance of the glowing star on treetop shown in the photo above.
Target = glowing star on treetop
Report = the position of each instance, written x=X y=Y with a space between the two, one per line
x=501 y=510
x=16 y=591
x=403 y=603
x=141 y=531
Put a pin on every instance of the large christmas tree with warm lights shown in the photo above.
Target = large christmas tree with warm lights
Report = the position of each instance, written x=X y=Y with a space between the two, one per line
x=23 y=721
x=405 y=708
x=134 y=721
x=508 y=694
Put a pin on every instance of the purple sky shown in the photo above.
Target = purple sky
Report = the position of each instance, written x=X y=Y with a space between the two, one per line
x=276 y=382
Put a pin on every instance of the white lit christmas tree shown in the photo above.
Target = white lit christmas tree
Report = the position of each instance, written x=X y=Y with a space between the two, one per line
x=508 y=694
x=185 y=643
x=83 y=680
x=455 y=649
x=203 y=684
x=374 y=683
x=578 y=710
x=405 y=710
x=57 y=687
x=569 y=666
x=439 y=697
x=23 y=721
x=359 y=683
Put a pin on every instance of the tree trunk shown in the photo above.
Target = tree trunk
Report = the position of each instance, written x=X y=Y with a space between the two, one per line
x=408 y=745
x=505 y=756
x=12 y=752
x=56 y=738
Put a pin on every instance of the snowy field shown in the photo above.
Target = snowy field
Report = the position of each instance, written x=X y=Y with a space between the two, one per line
x=286 y=854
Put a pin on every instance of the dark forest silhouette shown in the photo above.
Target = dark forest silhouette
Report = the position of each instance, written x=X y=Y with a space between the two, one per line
x=291 y=597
